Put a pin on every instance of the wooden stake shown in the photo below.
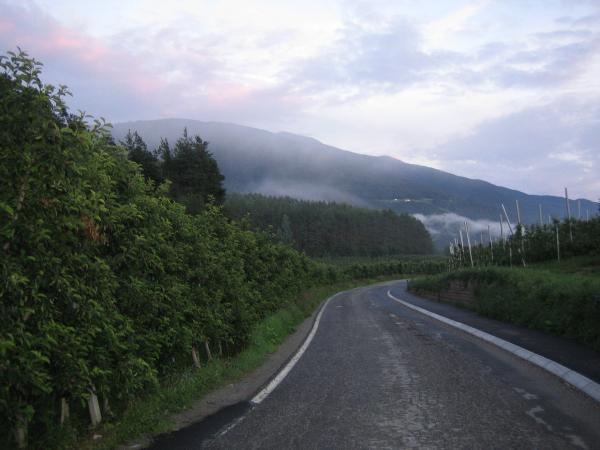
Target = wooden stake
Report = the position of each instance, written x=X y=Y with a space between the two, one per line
x=94 y=408
x=518 y=213
x=21 y=437
x=207 y=348
x=541 y=215
x=64 y=411
x=195 y=358
x=21 y=432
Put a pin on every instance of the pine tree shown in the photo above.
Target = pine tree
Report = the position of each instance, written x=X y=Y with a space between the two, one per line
x=284 y=232
x=138 y=152
x=193 y=171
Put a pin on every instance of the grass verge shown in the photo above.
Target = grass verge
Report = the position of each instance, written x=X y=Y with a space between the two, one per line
x=150 y=416
x=562 y=303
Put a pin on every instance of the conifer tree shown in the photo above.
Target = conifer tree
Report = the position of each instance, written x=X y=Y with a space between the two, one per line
x=193 y=171
x=138 y=152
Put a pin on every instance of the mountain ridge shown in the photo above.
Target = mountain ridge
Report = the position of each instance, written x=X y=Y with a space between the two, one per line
x=289 y=164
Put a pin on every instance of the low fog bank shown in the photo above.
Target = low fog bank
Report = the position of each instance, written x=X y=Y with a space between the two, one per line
x=306 y=191
x=445 y=227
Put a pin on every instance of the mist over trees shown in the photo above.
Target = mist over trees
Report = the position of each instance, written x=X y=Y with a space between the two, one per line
x=331 y=229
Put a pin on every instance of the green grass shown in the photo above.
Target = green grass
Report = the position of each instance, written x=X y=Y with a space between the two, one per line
x=150 y=416
x=562 y=300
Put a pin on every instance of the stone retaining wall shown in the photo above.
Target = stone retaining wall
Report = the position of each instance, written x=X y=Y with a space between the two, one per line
x=458 y=293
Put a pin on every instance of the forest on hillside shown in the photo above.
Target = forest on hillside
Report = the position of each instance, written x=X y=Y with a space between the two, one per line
x=331 y=229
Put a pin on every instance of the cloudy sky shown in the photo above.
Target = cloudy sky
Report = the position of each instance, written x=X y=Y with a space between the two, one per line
x=503 y=90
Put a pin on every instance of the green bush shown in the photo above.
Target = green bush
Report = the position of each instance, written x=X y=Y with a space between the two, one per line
x=106 y=283
x=563 y=304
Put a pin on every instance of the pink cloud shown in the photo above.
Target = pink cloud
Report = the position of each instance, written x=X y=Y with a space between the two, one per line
x=90 y=61
x=170 y=72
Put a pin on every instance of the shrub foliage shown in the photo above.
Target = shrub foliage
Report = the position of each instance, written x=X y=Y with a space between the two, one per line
x=106 y=283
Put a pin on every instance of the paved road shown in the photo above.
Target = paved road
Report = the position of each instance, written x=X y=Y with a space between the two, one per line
x=378 y=375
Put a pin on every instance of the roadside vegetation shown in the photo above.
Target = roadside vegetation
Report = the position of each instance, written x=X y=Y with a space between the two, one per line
x=559 y=298
x=151 y=415
x=545 y=277
x=121 y=279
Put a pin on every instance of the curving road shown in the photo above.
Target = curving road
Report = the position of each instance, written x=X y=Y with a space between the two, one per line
x=379 y=375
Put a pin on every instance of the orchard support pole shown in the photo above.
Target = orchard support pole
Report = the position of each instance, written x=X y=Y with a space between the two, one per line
x=569 y=215
x=491 y=244
x=557 y=244
x=469 y=242
x=507 y=220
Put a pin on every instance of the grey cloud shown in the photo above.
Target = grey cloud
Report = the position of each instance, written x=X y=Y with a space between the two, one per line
x=389 y=56
x=531 y=133
x=558 y=63
x=588 y=20
x=539 y=149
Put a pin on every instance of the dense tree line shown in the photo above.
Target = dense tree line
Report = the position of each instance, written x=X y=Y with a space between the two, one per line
x=107 y=284
x=331 y=229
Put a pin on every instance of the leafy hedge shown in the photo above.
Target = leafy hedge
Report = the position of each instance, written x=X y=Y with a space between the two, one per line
x=567 y=305
x=106 y=284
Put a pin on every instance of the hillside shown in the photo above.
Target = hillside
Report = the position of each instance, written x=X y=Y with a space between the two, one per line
x=284 y=164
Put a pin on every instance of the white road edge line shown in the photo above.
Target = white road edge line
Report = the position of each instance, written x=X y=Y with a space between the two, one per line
x=264 y=393
x=575 y=379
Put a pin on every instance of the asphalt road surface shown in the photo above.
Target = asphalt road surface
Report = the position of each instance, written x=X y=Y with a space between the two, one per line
x=379 y=375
